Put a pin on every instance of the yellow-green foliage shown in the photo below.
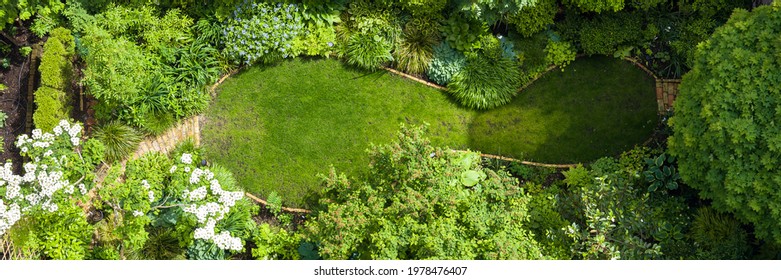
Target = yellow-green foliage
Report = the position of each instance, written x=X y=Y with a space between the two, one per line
x=55 y=67
x=65 y=37
x=50 y=108
x=56 y=70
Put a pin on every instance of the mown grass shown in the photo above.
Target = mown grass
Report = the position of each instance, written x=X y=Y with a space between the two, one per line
x=277 y=127
x=597 y=107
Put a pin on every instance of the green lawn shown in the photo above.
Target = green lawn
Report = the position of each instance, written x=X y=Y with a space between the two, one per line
x=596 y=107
x=276 y=127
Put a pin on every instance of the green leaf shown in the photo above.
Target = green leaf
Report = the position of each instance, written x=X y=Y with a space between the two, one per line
x=470 y=178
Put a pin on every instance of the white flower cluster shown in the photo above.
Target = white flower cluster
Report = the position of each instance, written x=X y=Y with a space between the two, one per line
x=8 y=216
x=187 y=158
x=209 y=213
x=150 y=193
x=44 y=140
x=41 y=182
x=223 y=240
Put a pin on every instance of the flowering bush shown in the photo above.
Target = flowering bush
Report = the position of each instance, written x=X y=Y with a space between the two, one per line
x=261 y=32
x=44 y=197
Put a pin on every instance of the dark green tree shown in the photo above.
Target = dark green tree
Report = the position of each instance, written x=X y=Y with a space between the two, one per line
x=422 y=202
x=727 y=134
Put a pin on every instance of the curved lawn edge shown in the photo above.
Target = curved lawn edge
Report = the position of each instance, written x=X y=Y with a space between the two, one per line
x=213 y=90
x=473 y=138
x=522 y=88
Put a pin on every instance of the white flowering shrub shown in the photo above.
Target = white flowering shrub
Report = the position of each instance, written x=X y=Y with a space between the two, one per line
x=204 y=198
x=56 y=177
x=208 y=214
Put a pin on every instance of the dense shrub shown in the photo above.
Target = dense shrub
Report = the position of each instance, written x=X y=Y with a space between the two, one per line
x=725 y=127
x=693 y=31
x=719 y=236
x=50 y=108
x=615 y=218
x=369 y=34
x=489 y=11
x=55 y=65
x=611 y=5
x=607 y=33
x=317 y=40
x=275 y=244
x=488 y=80
x=546 y=223
x=422 y=202
x=147 y=70
x=596 y=5
x=445 y=64
x=120 y=140
x=39 y=207
x=559 y=54
x=533 y=19
x=715 y=9
x=262 y=32
x=464 y=34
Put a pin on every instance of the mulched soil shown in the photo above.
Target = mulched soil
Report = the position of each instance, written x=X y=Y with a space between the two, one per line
x=13 y=101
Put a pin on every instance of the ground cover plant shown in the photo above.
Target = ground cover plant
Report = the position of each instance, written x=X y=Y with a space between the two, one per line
x=277 y=127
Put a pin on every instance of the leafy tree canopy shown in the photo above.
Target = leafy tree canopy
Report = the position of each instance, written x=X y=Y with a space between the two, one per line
x=422 y=202
x=727 y=134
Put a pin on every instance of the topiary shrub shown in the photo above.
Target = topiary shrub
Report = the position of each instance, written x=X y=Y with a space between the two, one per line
x=120 y=140
x=49 y=108
x=445 y=63
x=55 y=66
x=66 y=38
x=532 y=19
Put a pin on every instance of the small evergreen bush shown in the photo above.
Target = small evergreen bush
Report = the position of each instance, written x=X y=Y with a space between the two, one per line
x=532 y=19
x=50 y=108
x=560 y=54
x=55 y=66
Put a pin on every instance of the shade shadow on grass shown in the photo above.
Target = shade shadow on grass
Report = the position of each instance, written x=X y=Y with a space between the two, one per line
x=596 y=107
x=277 y=127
